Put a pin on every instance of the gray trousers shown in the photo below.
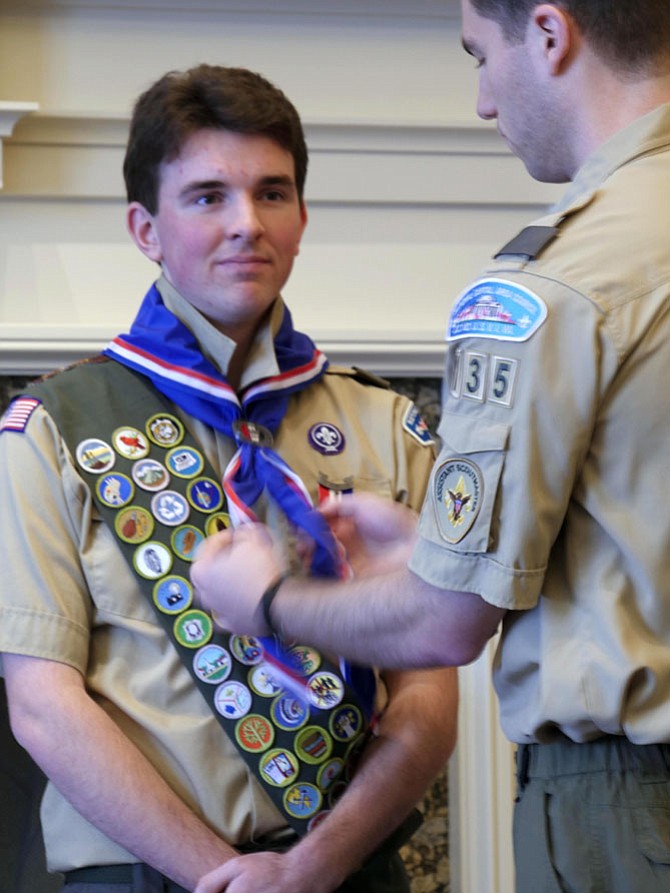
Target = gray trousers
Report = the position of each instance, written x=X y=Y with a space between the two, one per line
x=383 y=874
x=593 y=818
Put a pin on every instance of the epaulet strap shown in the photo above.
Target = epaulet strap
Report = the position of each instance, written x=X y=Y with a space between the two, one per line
x=360 y=375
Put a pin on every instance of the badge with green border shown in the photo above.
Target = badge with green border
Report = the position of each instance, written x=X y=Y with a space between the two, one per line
x=164 y=429
x=279 y=767
x=254 y=733
x=133 y=524
x=313 y=745
x=302 y=800
x=193 y=628
x=173 y=594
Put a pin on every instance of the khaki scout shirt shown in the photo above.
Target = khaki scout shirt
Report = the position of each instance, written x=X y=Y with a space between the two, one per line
x=68 y=595
x=565 y=515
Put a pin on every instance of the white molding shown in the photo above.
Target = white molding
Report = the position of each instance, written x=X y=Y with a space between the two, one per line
x=332 y=9
x=62 y=155
x=10 y=113
x=33 y=350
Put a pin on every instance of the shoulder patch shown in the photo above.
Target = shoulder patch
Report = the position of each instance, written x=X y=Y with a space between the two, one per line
x=498 y=309
x=18 y=414
x=415 y=425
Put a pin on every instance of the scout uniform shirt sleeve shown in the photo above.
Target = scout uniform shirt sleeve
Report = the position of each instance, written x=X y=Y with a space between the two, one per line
x=43 y=604
x=517 y=421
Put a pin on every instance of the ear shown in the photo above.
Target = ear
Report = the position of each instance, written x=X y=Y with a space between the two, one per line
x=557 y=33
x=141 y=226
x=303 y=220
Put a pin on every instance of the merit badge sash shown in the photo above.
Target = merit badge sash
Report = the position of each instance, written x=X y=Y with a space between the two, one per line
x=296 y=720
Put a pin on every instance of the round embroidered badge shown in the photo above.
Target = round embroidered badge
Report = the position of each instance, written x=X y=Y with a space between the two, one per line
x=185 y=462
x=313 y=745
x=150 y=475
x=302 y=800
x=185 y=541
x=130 y=442
x=254 y=733
x=115 y=490
x=170 y=508
x=304 y=660
x=205 y=495
x=232 y=699
x=193 y=628
x=346 y=722
x=173 y=594
x=95 y=456
x=325 y=690
x=289 y=712
x=152 y=560
x=326 y=438
x=247 y=649
x=164 y=430
x=133 y=524
x=279 y=767
x=212 y=664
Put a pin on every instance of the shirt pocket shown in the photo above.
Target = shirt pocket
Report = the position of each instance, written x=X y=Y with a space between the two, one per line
x=461 y=499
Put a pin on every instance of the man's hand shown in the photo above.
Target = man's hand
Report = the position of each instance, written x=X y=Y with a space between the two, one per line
x=263 y=873
x=230 y=574
x=377 y=534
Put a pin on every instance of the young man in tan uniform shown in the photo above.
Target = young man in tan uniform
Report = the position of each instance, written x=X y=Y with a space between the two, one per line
x=546 y=509
x=147 y=791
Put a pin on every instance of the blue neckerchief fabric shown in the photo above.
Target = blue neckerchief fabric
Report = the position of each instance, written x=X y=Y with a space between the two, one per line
x=161 y=347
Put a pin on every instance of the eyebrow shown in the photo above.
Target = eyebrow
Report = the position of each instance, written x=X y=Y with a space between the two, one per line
x=264 y=182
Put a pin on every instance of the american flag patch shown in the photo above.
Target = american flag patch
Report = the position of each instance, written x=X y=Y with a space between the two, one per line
x=18 y=413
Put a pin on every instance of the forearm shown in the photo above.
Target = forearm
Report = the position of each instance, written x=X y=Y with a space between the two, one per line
x=416 y=735
x=391 y=620
x=110 y=782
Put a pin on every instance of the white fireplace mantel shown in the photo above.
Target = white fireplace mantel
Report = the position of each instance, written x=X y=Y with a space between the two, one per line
x=10 y=113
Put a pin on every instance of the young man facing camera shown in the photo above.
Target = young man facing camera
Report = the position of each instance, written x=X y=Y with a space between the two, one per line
x=172 y=749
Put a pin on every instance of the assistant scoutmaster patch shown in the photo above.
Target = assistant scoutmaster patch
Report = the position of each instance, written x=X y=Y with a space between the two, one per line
x=457 y=495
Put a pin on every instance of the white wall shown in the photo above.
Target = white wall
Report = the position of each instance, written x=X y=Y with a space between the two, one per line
x=408 y=194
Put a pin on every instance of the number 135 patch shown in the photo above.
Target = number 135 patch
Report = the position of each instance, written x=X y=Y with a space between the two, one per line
x=483 y=377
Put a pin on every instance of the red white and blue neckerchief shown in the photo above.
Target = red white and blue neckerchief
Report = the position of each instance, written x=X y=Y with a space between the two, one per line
x=161 y=347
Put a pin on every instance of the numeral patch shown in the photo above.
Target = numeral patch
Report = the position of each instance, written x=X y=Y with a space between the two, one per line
x=483 y=377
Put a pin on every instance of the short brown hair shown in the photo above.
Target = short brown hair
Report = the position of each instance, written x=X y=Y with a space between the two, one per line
x=633 y=35
x=205 y=97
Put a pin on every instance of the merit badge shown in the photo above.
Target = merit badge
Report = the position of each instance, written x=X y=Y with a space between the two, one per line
x=130 y=442
x=415 y=425
x=165 y=430
x=279 y=767
x=346 y=722
x=185 y=540
x=326 y=438
x=254 y=733
x=457 y=494
x=115 y=490
x=170 y=508
x=496 y=308
x=328 y=773
x=325 y=690
x=95 y=455
x=251 y=433
x=302 y=800
x=152 y=560
x=172 y=595
x=134 y=524
x=264 y=680
x=193 y=628
x=185 y=462
x=205 y=495
x=212 y=664
x=313 y=745
x=289 y=712
x=247 y=649
x=150 y=475
x=18 y=414
x=304 y=659
x=216 y=523
x=232 y=700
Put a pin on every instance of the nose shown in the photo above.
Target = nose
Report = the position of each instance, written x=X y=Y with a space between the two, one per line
x=485 y=106
x=245 y=221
